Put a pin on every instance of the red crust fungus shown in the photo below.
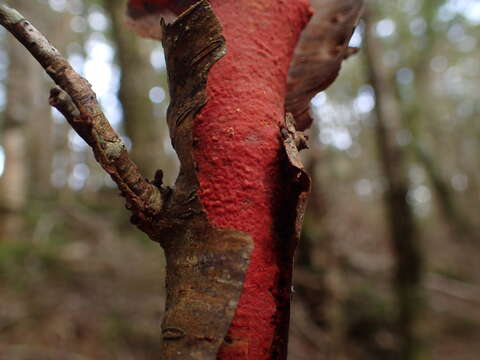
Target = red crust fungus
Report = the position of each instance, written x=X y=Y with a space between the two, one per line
x=238 y=150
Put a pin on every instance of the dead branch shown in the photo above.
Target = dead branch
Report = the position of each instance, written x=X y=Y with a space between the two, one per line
x=76 y=100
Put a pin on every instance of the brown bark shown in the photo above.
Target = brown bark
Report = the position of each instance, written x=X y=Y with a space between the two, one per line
x=404 y=235
x=75 y=99
x=269 y=279
x=206 y=264
x=319 y=54
x=220 y=257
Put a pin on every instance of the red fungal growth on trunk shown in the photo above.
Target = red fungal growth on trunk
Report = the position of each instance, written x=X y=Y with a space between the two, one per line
x=238 y=153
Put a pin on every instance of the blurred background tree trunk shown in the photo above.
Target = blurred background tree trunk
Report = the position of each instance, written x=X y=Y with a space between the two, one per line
x=28 y=135
x=317 y=278
x=142 y=122
x=23 y=87
x=418 y=114
x=403 y=232
x=39 y=129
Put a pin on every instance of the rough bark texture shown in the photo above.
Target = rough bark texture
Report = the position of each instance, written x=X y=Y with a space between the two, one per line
x=206 y=265
x=86 y=117
x=404 y=235
x=239 y=156
x=241 y=180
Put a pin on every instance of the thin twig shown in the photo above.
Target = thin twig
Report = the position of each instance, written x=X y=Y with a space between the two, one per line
x=76 y=100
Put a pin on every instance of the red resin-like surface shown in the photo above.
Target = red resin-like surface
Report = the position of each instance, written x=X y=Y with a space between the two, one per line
x=238 y=136
x=238 y=149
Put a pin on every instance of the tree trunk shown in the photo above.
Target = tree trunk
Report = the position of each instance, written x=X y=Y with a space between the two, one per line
x=14 y=182
x=404 y=235
x=147 y=132
x=41 y=148
x=418 y=114
x=230 y=226
x=242 y=169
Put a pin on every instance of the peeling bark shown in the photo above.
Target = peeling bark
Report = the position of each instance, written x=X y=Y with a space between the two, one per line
x=323 y=47
x=230 y=226
x=206 y=265
x=290 y=218
x=242 y=166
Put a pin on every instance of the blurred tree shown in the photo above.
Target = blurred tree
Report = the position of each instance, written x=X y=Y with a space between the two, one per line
x=317 y=278
x=24 y=82
x=403 y=232
x=420 y=111
x=204 y=276
x=40 y=148
x=429 y=49
x=29 y=166
x=147 y=131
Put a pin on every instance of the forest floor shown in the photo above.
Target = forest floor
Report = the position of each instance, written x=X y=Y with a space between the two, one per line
x=99 y=296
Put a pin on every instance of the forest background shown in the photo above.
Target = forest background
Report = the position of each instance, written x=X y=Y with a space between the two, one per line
x=77 y=281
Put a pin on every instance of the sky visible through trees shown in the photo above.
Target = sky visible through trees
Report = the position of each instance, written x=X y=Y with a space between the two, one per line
x=96 y=62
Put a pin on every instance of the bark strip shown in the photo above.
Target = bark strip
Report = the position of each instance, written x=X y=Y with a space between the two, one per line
x=323 y=46
x=206 y=266
x=297 y=185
